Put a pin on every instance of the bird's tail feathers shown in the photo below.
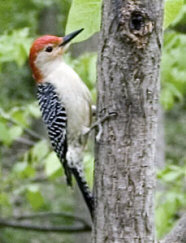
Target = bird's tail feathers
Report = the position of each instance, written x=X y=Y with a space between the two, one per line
x=68 y=173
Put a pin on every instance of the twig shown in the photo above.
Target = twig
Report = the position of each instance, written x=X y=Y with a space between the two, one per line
x=40 y=179
x=13 y=121
x=25 y=141
x=51 y=214
x=44 y=228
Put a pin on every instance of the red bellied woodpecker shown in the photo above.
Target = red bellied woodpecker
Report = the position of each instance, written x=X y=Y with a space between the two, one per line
x=65 y=104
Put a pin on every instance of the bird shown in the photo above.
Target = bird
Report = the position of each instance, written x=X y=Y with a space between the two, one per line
x=65 y=104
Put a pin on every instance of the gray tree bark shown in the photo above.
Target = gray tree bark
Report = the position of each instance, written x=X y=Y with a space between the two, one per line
x=128 y=83
x=48 y=20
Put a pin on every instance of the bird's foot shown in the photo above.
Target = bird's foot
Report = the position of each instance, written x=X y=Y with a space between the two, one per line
x=98 y=124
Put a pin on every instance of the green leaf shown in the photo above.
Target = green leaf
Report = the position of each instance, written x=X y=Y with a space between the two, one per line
x=172 y=8
x=84 y=14
x=88 y=162
x=9 y=134
x=4 y=134
x=19 y=115
x=34 y=110
x=21 y=166
x=167 y=96
x=34 y=197
x=4 y=200
x=52 y=166
x=173 y=69
x=24 y=170
x=85 y=66
x=171 y=173
x=40 y=150
x=14 y=46
x=166 y=210
x=171 y=176
x=15 y=132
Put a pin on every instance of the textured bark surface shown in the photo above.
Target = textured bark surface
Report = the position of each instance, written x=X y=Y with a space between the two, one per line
x=128 y=83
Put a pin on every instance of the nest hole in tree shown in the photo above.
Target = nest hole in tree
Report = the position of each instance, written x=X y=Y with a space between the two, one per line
x=137 y=21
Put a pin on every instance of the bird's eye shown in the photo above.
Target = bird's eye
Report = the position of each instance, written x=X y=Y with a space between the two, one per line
x=49 y=49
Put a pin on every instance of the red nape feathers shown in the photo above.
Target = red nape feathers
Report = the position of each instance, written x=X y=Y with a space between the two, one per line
x=36 y=47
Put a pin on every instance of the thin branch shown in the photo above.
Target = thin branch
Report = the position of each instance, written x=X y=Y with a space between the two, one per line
x=13 y=121
x=32 y=133
x=44 y=228
x=40 y=179
x=50 y=214
x=25 y=141
x=178 y=233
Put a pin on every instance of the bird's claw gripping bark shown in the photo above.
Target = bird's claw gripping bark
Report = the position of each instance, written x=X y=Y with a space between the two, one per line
x=99 y=123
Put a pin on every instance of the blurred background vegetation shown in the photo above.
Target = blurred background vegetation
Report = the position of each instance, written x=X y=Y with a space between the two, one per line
x=31 y=178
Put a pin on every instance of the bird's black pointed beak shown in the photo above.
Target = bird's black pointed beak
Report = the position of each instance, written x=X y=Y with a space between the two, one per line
x=69 y=37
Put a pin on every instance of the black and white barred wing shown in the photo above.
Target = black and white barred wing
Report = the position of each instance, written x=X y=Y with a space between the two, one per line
x=55 y=118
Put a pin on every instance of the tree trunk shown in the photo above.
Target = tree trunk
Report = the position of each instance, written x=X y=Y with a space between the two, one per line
x=48 y=20
x=128 y=83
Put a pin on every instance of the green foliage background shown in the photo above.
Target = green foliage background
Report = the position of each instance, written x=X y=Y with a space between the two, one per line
x=31 y=177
